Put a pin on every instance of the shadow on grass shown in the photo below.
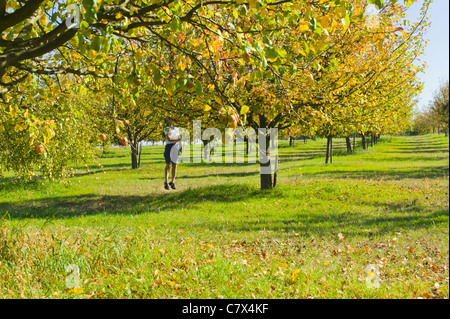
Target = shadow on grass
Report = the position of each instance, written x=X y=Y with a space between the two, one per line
x=241 y=174
x=311 y=221
x=332 y=223
x=74 y=206
x=400 y=159
x=393 y=174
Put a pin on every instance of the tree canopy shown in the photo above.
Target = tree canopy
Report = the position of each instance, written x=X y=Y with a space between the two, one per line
x=324 y=67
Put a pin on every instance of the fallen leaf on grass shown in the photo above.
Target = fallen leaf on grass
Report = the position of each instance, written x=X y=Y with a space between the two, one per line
x=76 y=291
x=295 y=275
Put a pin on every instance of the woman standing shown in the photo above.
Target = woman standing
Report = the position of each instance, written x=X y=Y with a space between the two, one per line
x=171 y=151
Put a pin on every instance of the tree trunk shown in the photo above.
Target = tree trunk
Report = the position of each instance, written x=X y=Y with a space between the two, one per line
x=291 y=141
x=264 y=156
x=140 y=152
x=364 y=144
x=354 y=141
x=134 y=156
x=246 y=147
x=266 y=178
x=349 y=144
x=329 y=156
x=304 y=139
x=372 y=139
x=206 y=150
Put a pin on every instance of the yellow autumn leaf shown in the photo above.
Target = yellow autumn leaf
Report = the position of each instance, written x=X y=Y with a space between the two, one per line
x=310 y=79
x=77 y=290
x=324 y=21
x=44 y=19
x=252 y=3
x=138 y=54
x=182 y=63
x=405 y=35
x=215 y=46
x=13 y=112
x=244 y=109
x=380 y=45
x=319 y=45
x=295 y=274
x=297 y=5
x=341 y=11
x=18 y=127
x=303 y=26
x=92 y=54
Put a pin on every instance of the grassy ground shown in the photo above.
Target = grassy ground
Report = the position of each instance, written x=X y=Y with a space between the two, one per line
x=372 y=225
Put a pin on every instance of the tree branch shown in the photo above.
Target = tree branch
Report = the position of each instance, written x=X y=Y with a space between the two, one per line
x=19 y=15
x=10 y=58
x=59 y=71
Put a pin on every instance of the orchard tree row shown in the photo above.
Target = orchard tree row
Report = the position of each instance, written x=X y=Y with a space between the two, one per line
x=74 y=75
x=435 y=117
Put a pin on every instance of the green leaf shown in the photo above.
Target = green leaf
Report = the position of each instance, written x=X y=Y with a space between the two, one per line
x=198 y=88
x=247 y=48
x=271 y=53
x=95 y=44
x=347 y=20
x=379 y=4
x=282 y=53
x=156 y=73
x=267 y=41
x=177 y=9
x=312 y=23
x=176 y=25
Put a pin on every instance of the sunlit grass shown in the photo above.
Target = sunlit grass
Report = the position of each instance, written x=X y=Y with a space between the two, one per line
x=219 y=236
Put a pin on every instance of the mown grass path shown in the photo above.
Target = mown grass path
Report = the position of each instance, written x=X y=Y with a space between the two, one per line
x=372 y=225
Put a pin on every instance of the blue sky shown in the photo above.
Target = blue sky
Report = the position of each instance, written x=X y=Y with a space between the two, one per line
x=437 y=51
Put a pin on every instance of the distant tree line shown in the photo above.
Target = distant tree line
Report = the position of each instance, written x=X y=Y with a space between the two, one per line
x=435 y=118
